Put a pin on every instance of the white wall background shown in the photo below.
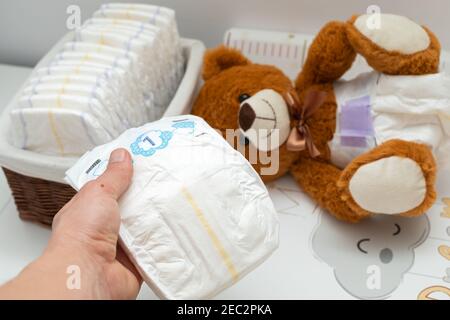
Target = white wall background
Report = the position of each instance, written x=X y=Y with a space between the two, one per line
x=28 y=28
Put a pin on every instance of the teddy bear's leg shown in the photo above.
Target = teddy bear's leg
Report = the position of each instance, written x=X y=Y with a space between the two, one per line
x=394 y=44
x=329 y=56
x=319 y=180
x=396 y=177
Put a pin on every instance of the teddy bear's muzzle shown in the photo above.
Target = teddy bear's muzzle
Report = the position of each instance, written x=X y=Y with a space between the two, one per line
x=264 y=119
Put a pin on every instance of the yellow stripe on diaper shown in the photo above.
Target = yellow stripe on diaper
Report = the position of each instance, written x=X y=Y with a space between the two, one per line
x=86 y=57
x=215 y=240
x=58 y=140
x=52 y=122
x=58 y=100
x=66 y=80
x=444 y=115
x=102 y=39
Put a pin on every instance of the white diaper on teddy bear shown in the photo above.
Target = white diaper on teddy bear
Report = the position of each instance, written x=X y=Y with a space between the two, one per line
x=375 y=107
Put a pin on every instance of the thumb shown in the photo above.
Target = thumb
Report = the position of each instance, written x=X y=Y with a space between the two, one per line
x=117 y=176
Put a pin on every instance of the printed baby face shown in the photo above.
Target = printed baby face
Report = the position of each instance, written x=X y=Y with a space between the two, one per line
x=369 y=260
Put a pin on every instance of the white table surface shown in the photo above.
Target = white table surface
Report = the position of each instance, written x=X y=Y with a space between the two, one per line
x=20 y=242
x=294 y=271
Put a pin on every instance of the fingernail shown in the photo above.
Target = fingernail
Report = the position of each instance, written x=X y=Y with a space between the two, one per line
x=118 y=155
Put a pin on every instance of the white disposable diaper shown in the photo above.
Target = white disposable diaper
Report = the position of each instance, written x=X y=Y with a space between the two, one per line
x=161 y=17
x=98 y=48
x=118 y=35
x=67 y=132
x=78 y=69
x=384 y=107
x=140 y=7
x=157 y=17
x=110 y=120
x=106 y=59
x=130 y=101
x=55 y=93
x=62 y=78
x=149 y=53
x=196 y=217
x=168 y=71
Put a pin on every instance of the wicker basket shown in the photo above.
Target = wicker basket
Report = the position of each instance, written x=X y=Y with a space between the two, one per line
x=36 y=199
x=37 y=180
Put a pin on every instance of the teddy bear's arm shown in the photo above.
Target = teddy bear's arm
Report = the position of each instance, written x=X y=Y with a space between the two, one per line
x=329 y=56
x=319 y=180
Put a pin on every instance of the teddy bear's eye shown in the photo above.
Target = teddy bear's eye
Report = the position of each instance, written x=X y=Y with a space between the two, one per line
x=243 y=97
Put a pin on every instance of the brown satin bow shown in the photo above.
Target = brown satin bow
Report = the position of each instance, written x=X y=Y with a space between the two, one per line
x=300 y=137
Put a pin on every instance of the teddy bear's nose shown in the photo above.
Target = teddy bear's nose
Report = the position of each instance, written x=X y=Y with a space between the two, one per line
x=246 y=116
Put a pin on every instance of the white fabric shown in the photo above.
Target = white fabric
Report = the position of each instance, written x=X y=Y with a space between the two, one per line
x=121 y=70
x=412 y=108
x=393 y=32
x=388 y=186
x=196 y=217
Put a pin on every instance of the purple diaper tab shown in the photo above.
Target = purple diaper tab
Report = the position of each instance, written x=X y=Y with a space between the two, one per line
x=356 y=123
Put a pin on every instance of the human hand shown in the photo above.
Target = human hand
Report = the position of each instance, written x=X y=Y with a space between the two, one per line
x=85 y=235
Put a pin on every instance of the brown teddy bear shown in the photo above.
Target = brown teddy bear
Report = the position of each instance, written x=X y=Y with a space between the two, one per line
x=386 y=169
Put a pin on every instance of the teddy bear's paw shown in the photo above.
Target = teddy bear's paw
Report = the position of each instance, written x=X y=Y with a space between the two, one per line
x=394 y=178
x=390 y=185
x=393 y=33
x=394 y=44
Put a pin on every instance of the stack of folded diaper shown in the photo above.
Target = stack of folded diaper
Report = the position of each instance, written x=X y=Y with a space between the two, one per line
x=197 y=216
x=120 y=70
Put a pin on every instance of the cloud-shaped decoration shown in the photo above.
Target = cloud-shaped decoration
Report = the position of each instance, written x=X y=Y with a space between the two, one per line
x=184 y=124
x=369 y=258
x=184 y=127
x=146 y=146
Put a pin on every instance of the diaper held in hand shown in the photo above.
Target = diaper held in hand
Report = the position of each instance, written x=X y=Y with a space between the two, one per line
x=196 y=217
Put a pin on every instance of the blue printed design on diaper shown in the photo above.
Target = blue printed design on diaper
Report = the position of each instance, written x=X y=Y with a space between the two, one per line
x=184 y=127
x=184 y=124
x=151 y=141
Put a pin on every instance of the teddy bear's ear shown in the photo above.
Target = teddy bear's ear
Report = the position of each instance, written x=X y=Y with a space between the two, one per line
x=221 y=58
